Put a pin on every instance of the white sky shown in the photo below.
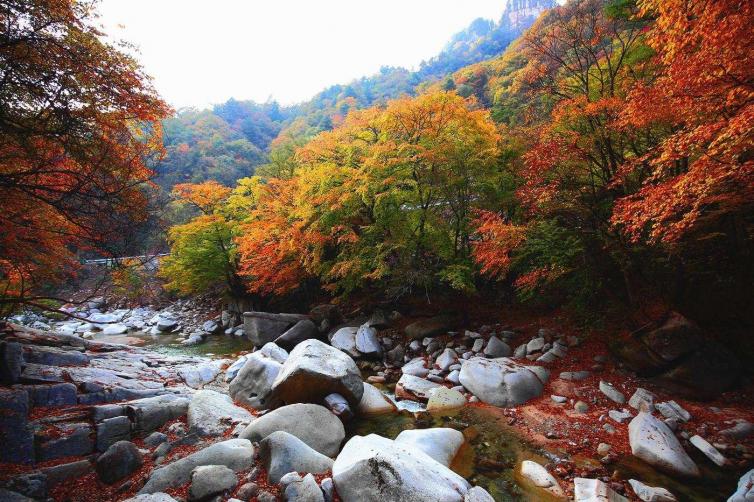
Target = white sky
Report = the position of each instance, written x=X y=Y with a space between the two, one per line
x=203 y=52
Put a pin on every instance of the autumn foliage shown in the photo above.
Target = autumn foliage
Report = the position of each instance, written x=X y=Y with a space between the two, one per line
x=79 y=127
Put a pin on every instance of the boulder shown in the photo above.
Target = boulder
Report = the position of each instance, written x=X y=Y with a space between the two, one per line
x=375 y=468
x=151 y=413
x=253 y=384
x=210 y=480
x=345 y=339
x=212 y=327
x=497 y=348
x=681 y=358
x=264 y=327
x=281 y=453
x=195 y=376
x=374 y=402
x=367 y=342
x=594 y=490
x=446 y=359
x=232 y=371
x=236 y=454
x=166 y=324
x=745 y=489
x=431 y=326
x=112 y=430
x=302 y=330
x=500 y=382
x=313 y=370
x=414 y=388
x=442 y=398
x=211 y=413
x=304 y=490
x=118 y=462
x=541 y=478
x=653 y=442
x=16 y=434
x=651 y=494
x=416 y=367
x=440 y=443
x=313 y=424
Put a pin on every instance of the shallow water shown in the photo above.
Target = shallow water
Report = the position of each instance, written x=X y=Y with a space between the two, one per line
x=168 y=344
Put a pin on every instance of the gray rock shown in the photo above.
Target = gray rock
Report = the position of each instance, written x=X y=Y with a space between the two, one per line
x=281 y=453
x=338 y=405
x=211 y=413
x=264 y=327
x=412 y=387
x=581 y=407
x=64 y=472
x=70 y=439
x=328 y=489
x=166 y=324
x=440 y=443
x=61 y=394
x=248 y=491
x=396 y=354
x=298 y=419
x=745 y=490
x=520 y=351
x=429 y=327
x=10 y=496
x=541 y=478
x=119 y=461
x=11 y=362
x=54 y=356
x=671 y=409
x=197 y=375
x=151 y=413
x=302 y=330
x=313 y=370
x=236 y=454
x=152 y=497
x=651 y=494
x=375 y=468
x=15 y=432
x=446 y=359
x=709 y=451
x=374 y=402
x=478 y=345
x=500 y=382
x=535 y=345
x=234 y=368
x=477 y=494
x=253 y=384
x=104 y=411
x=741 y=430
x=558 y=399
x=367 y=342
x=112 y=430
x=619 y=416
x=212 y=327
x=642 y=400
x=652 y=441
x=416 y=367
x=574 y=375
x=155 y=439
x=611 y=392
x=305 y=490
x=496 y=348
x=345 y=339
x=594 y=490
x=210 y=480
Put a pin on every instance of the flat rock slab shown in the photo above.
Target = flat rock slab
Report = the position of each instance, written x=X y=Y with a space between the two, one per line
x=211 y=413
x=236 y=454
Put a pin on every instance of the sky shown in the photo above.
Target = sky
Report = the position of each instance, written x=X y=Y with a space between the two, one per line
x=203 y=52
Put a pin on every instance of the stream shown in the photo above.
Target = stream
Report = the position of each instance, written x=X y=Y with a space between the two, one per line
x=493 y=449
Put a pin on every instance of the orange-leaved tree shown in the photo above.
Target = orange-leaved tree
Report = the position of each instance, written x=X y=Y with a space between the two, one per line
x=701 y=176
x=79 y=127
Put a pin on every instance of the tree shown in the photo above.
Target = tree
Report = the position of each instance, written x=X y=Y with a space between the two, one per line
x=202 y=251
x=79 y=128
x=703 y=91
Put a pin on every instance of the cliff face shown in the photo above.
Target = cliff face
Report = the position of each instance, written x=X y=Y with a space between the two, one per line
x=520 y=14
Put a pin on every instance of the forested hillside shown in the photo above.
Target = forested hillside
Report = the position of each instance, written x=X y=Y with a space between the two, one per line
x=229 y=141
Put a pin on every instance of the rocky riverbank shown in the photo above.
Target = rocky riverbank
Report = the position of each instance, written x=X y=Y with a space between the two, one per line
x=84 y=416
